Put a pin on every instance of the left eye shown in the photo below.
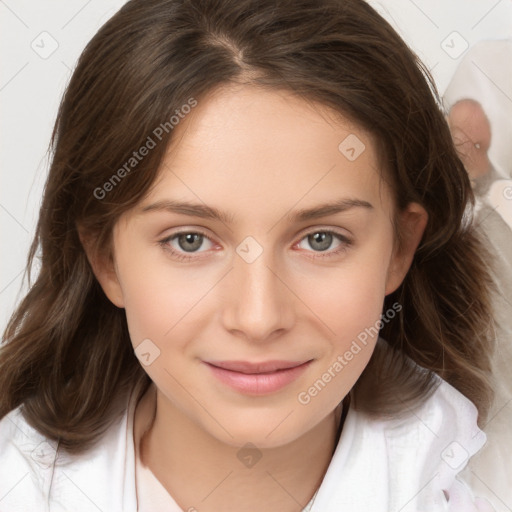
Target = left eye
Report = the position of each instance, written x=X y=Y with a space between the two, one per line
x=321 y=240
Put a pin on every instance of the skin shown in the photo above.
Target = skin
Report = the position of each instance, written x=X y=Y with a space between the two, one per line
x=258 y=155
x=471 y=134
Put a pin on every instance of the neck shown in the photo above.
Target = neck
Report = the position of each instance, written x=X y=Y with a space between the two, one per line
x=200 y=472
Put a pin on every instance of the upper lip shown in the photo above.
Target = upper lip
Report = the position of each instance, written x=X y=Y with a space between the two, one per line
x=262 y=367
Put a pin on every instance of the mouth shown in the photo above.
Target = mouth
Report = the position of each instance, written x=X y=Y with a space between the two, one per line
x=257 y=378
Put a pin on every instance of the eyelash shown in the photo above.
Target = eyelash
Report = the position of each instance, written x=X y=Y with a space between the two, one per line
x=346 y=243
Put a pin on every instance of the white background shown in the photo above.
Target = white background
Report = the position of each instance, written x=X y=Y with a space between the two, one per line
x=31 y=88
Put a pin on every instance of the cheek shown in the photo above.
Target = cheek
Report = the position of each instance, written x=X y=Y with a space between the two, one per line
x=352 y=308
x=349 y=300
x=349 y=296
x=159 y=300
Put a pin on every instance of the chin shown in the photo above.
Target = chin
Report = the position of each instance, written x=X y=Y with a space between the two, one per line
x=263 y=431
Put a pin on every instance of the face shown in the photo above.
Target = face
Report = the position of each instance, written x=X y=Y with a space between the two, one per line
x=471 y=133
x=246 y=321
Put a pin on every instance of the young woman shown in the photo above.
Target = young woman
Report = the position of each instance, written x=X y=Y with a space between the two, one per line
x=260 y=288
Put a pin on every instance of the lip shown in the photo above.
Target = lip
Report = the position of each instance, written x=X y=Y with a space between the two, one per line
x=257 y=378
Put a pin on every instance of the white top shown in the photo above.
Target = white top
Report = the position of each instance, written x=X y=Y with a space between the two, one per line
x=151 y=494
x=407 y=465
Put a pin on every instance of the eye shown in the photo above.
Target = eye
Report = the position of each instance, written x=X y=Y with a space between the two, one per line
x=183 y=242
x=189 y=242
x=322 y=240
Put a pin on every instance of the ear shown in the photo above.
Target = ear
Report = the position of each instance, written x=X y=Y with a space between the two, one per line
x=411 y=223
x=103 y=267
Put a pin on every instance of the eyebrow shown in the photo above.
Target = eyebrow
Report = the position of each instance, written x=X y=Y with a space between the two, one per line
x=208 y=212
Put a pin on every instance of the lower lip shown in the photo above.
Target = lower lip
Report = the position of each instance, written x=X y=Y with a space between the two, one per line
x=258 y=383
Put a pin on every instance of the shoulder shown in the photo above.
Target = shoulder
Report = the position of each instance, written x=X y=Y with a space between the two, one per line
x=444 y=430
x=431 y=446
x=34 y=470
x=413 y=462
x=26 y=457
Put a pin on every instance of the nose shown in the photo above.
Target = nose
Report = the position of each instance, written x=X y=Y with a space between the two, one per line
x=259 y=305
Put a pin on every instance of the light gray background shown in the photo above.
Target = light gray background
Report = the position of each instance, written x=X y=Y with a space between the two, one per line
x=32 y=83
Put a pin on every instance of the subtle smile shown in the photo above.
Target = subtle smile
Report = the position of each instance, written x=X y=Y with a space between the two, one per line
x=257 y=378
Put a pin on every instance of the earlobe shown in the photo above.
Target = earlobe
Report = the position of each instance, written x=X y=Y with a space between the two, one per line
x=104 y=270
x=412 y=222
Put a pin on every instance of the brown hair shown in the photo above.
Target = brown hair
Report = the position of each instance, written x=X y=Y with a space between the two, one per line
x=67 y=357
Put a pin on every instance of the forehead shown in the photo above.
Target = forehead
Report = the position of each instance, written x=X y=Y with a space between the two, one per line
x=248 y=119
x=248 y=149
